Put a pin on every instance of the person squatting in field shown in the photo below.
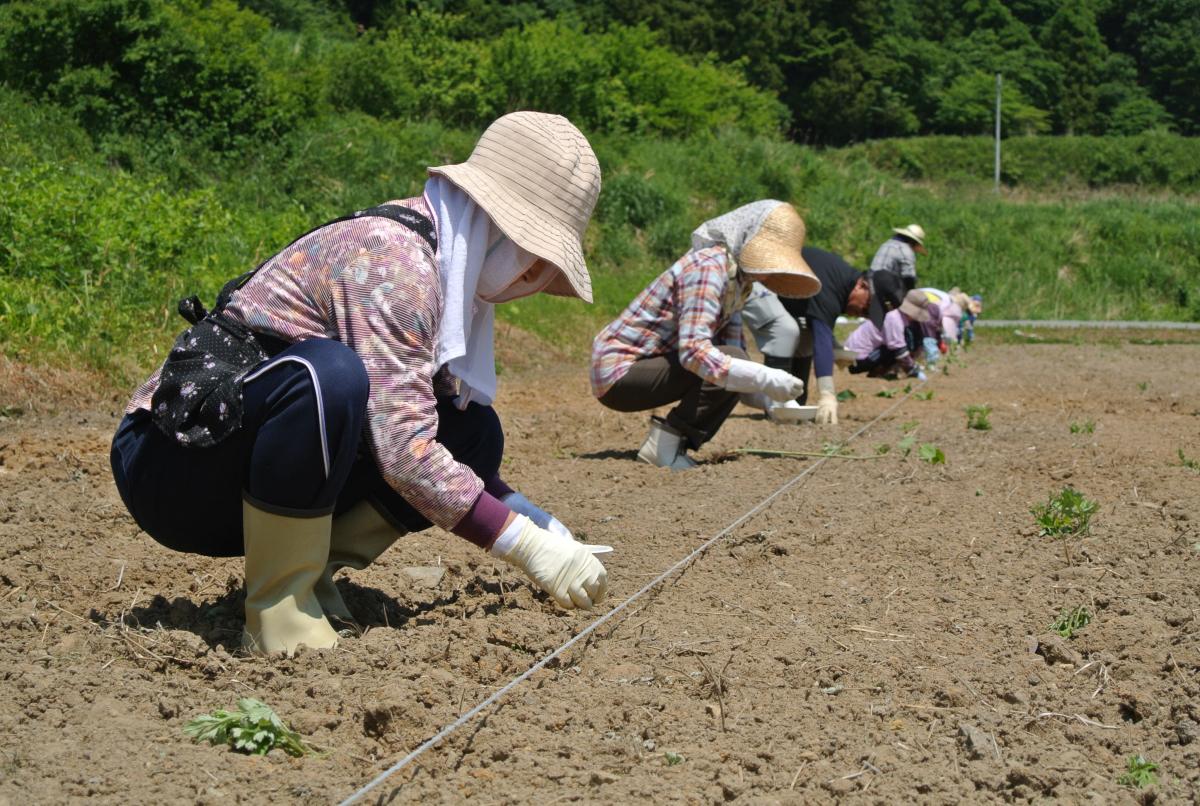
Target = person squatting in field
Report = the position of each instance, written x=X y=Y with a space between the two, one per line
x=882 y=350
x=680 y=340
x=796 y=334
x=372 y=416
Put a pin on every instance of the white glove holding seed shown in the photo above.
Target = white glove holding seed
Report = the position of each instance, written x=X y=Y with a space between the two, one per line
x=827 y=403
x=559 y=565
x=750 y=376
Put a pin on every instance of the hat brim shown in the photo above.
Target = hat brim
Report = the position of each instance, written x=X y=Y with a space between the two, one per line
x=787 y=282
x=918 y=243
x=527 y=228
x=914 y=312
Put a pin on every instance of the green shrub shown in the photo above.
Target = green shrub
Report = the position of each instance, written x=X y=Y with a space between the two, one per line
x=193 y=66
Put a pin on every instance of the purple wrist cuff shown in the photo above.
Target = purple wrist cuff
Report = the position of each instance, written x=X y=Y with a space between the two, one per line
x=484 y=521
x=496 y=486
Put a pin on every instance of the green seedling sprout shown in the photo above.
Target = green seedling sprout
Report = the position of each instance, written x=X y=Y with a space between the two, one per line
x=887 y=393
x=931 y=453
x=1070 y=622
x=673 y=758
x=882 y=448
x=978 y=417
x=1068 y=513
x=1138 y=773
x=1143 y=386
x=1083 y=427
x=906 y=445
x=846 y=394
x=1191 y=464
x=909 y=426
x=926 y=395
x=253 y=728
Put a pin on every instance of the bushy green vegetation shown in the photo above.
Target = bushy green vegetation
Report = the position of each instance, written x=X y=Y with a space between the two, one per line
x=151 y=149
x=1152 y=160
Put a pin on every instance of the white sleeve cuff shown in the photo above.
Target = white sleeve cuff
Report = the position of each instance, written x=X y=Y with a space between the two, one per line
x=508 y=538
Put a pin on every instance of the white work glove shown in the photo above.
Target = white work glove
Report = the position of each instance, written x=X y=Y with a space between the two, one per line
x=750 y=376
x=523 y=506
x=561 y=567
x=919 y=374
x=827 y=401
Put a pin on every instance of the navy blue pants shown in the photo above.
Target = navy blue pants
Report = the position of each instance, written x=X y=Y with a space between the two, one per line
x=299 y=452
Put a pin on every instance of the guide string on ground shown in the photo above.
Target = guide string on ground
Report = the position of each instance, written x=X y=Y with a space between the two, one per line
x=604 y=619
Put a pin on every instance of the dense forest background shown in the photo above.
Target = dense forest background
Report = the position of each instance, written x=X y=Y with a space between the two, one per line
x=151 y=149
x=820 y=71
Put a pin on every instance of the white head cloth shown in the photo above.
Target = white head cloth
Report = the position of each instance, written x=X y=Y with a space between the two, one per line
x=734 y=228
x=474 y=258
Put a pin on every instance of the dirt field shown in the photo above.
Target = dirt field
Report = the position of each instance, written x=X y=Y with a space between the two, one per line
x=879 y=633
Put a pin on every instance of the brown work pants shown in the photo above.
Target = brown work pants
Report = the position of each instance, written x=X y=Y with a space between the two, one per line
x=657 y=381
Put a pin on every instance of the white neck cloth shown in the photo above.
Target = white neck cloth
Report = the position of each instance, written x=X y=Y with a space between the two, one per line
x=476 y=262
x=734 y=229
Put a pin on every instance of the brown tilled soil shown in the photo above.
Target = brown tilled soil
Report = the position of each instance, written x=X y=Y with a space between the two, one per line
x=878 y=633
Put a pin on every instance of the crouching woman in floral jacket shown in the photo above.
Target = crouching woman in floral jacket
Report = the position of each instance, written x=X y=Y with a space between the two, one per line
x=370 y=412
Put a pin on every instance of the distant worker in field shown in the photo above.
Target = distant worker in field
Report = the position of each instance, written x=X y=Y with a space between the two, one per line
x=899 y=254
x=884 y=350
x=796 y=334
x=341 y=395
x=680 y=341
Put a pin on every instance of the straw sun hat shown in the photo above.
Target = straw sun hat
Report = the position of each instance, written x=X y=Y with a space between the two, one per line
x=914 y=232
x=537 y=178
x=773 y=256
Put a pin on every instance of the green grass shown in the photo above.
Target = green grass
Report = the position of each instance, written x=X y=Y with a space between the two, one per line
x=1066 y=514
x=1083 y=427
x=99 y=241
x=978 y=417
x=1069 y=622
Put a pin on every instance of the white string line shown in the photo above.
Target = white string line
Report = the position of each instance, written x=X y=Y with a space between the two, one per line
x=586 y=631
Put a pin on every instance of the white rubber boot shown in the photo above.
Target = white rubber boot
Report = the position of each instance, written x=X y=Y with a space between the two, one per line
x=284 y=559
x=358 y=537
x=664 y=447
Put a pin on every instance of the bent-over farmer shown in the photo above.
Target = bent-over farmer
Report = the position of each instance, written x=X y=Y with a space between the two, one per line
x=342 y=395
x=680 y=340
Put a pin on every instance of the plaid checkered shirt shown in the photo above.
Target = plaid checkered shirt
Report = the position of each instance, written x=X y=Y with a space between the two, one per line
x=689 y=308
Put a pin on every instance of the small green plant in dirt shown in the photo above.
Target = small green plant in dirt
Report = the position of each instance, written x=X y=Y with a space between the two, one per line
x=909 y=426
x=882 y=448
x=978 y=417
x=1070 y=622
x=1068 y=513
x=1143 y=386
x=905 y=445
x=1138 y=773
x=1083 y=427
x=926 y=395
x=1191 y=464
x=846 y=394
x=887 y=393
x=928 y=452
x=673 y=758
x=253 y=728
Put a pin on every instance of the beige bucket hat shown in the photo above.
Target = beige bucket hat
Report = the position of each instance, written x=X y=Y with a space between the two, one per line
x=913 y=231
x=537 y=178
x=773 y=257
x=915 y=306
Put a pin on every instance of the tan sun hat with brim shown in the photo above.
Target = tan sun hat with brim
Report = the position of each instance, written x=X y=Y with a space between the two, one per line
x=915 y=306
x=773 y=258
x=915 y=232
x=537 y=178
